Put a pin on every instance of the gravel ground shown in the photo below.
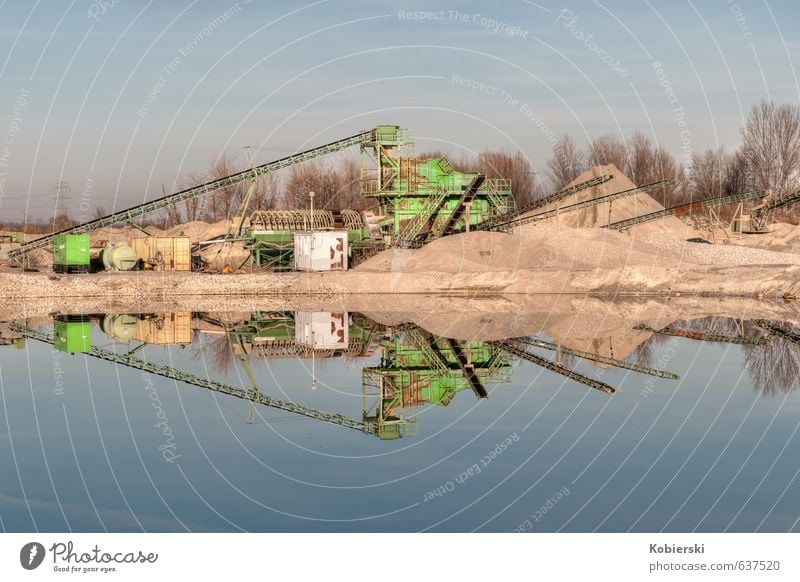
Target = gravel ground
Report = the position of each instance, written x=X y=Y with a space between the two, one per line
x=720 y=253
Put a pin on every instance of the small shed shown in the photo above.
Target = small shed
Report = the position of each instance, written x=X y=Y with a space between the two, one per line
x=324 y=250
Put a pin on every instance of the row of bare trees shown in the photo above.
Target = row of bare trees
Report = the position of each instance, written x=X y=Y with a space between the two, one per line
x=768 y=159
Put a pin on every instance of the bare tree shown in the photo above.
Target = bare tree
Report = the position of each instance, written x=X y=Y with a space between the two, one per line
x=648 y=163
x=737 y=173
x=61 y=221
x=607 y=149
x=335 y=186
x=772 y=146
x=709 y=174
x=566 y=163
x=514 y=167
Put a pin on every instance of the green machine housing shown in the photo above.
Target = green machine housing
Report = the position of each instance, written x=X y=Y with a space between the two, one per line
x=425 y=198
x=73 y=334
x=71 y=253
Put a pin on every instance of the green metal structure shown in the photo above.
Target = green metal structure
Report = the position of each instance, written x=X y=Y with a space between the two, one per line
x=425 y=198
x=71 y=253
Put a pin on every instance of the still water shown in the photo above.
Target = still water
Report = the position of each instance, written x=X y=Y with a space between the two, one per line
x=332 y=421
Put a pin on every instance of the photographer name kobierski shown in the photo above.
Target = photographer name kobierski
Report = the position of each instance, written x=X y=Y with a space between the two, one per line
x=676 y=549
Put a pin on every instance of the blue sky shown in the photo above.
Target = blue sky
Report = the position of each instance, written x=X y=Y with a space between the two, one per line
x=116 y=98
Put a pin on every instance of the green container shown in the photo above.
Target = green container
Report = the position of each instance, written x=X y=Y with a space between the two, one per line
x=73 y=335
x=386 y=133
x=71 y=253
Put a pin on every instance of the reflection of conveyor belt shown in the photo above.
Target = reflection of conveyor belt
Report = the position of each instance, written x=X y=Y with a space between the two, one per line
x=254 y=396
x=515 y=350
x=539 y=343
x=468 y=369
x=779 y=331
x=706 y=336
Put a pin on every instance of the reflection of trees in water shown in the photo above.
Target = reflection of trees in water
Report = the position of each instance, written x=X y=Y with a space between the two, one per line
x=219 y=350
x=643 y=354
x=772 y=368
x=775 y=367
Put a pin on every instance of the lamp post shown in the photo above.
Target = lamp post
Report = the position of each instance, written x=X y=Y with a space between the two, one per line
x=311 y=196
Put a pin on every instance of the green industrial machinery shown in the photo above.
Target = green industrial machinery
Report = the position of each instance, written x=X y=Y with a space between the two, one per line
x=270 y=235
x=71 y=253
x=424 y=199
x=72 y=334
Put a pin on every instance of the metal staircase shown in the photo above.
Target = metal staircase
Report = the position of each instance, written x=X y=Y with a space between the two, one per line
x=413 y=227
x=466 y=198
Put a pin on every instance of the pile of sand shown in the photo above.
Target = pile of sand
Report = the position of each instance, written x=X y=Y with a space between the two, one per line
x=196 y=231
x=574 y=242
x=610 y=212
x=216 y=257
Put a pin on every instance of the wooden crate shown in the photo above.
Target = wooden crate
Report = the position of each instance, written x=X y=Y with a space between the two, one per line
x=165 y=253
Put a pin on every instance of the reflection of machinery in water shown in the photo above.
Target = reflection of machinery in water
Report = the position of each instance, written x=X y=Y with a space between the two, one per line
x=73 y=333
x=418 y=368
x=254 y=396
x=149 y=328
x=771 y=348
x=415 y=368
x=302 y=334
